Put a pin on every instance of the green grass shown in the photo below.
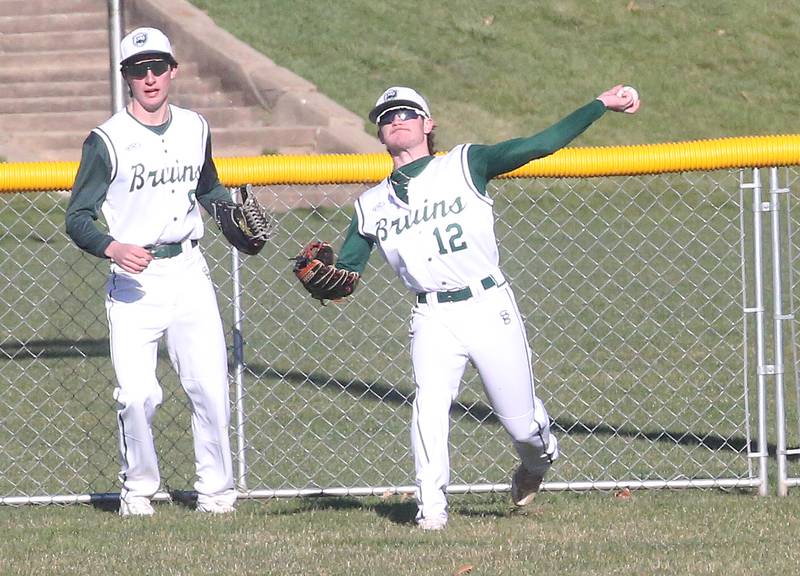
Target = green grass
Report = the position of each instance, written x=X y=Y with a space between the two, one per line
x=495 y=70
x=664 y=533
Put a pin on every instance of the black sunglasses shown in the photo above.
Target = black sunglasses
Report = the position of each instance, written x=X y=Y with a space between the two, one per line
x=402 y=113
x=139 y=70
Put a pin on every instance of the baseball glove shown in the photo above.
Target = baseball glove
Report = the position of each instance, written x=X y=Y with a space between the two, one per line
x=315 y=267
x=247 y=226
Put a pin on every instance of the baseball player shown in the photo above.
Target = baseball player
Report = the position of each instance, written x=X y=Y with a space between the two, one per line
x=147 y=168
x=432 y=221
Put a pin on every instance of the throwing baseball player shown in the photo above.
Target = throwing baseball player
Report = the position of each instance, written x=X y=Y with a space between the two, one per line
x=147 y=168
x=432 y=221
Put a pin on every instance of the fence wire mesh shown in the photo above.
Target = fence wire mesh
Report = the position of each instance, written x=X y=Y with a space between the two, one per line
x=633 y=290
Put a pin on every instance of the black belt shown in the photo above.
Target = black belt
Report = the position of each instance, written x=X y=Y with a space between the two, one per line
x=455 y=295
x=168 y=250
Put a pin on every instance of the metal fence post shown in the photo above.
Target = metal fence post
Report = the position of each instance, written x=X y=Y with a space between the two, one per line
x=238 y=365
x=762 y=368
x=115 y=29
x=778 y=319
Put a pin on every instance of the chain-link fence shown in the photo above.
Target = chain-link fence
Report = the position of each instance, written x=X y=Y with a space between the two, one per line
x=636 y=292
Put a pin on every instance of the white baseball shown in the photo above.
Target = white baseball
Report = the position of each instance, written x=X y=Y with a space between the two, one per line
x=631 y=91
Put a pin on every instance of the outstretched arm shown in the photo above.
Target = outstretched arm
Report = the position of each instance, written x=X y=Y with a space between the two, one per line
x=489 y=161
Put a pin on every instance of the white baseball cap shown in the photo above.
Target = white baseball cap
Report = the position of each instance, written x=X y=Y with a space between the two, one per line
x=399 y=97
x=145 y=41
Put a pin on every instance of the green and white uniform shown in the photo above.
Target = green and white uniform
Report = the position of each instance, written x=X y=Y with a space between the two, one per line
x=433 y=223
x=148 y=180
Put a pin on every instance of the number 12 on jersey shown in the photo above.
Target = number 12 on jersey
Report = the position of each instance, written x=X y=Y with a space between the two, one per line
x=453 y=235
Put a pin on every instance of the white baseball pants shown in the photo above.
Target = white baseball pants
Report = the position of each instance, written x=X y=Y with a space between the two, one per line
x=487 y=330
x=172 y=297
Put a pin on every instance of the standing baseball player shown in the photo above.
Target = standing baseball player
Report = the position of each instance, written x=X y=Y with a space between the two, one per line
x=147 y=168
x=432 y=221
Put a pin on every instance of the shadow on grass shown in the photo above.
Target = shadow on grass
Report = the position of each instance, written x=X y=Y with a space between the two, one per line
x=106 y=501
x=55 y=348
x=484 y=415
x=397 y=512
x=380 y=392
x=109 y=501
x=396 y=509
x=399 y=509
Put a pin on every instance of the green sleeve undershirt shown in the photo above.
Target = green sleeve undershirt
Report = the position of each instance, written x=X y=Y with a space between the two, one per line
x=485 y=163
x=355 y=249
x=91 y=186
x=88 y=194
x=489 y=161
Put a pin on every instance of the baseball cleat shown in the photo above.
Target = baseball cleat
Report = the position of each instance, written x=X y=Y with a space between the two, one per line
x=524 y=486
x=431 y=524
x=136 y=506
x=214 y=508
x=210 y=505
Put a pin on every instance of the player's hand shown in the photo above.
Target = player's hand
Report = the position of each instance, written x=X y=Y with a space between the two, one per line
x=129 y=257
x=620 y=100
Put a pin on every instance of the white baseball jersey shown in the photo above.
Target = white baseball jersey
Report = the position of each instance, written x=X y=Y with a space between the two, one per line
x=151 y=199
x=443 y=239
x=441 y=242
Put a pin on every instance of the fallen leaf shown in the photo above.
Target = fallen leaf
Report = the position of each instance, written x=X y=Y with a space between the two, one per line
x=632 y=6
x=623 y=494
x=488 y=20
x=465 y=569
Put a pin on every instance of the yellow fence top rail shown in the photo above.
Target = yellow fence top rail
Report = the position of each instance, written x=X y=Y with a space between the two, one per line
x=691 y=156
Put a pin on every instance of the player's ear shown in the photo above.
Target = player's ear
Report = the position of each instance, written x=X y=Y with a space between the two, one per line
x=428 y=125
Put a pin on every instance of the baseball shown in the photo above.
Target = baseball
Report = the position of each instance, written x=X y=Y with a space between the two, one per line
x=630 y=90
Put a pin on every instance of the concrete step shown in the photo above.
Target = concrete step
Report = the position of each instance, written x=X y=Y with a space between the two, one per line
x=226 y=142
x=233 y=117
x=53 y=41
x=87 y=119
x=259 y=150
x=48 y=67
x=67 y=62
x=38 y=7
x=55 y=86
x=53 y=73
x=102 y=101
x=185 y=85
x=261 y=137
x=41 y=124
x=74 y=154
x=268 y=139
x=210 y=99
x=49 y=89
x=72 y=61
x=69 y=22
x=51 y=104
